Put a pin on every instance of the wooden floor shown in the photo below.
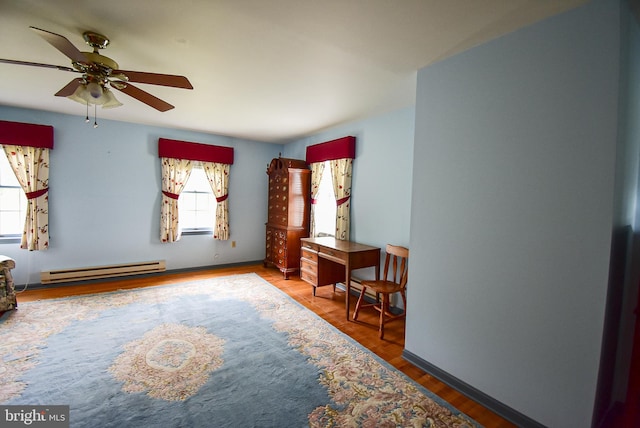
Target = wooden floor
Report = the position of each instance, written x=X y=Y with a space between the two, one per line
x=326 y=304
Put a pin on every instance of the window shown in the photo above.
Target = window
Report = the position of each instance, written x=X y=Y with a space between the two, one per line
x=13 y=202
x=197 y=204
x=325 y=207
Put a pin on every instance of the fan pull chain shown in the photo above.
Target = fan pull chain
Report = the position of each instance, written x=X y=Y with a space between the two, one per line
x=86 y=119
x=95 y=115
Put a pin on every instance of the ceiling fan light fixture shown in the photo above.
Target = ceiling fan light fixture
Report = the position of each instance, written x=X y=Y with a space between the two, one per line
x=110 y=99
x=80 y=95
x=95 y=91
x=83 y=95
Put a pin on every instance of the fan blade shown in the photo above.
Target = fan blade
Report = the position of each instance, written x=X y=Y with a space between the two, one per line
x=145 y=97
x=156 y=79
x=38 y=64
x=62 y=44
x=69 y=89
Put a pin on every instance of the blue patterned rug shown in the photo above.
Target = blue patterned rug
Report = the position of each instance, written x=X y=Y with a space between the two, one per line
x=223 y=352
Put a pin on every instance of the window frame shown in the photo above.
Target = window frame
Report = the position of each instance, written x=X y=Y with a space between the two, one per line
x=198 y=230
x=321 y=199
x=13 y=238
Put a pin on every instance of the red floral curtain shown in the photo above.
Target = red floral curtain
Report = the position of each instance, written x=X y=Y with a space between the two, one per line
x=218 y=176
x=27 y=148
x=175 y=173
x=317 y=168
x=177 y=155
x=340 y=153
x=341 y=171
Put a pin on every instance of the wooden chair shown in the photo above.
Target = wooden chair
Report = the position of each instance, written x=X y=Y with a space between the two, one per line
x=394 y=280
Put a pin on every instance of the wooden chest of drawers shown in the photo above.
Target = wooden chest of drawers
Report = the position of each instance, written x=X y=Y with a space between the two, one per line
x=288 y=213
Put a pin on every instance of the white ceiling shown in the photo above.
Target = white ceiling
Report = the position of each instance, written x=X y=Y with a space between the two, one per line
x=266 y=70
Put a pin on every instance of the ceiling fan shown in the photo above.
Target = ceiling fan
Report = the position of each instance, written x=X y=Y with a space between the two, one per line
x=100 y=73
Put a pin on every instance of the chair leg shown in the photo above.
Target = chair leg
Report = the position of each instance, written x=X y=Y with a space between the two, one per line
x=359 y=303
x=383 y=309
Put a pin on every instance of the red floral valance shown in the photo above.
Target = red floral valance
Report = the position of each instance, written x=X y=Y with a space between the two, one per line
x=26 y=134
x=194 y=151
x=342 y=148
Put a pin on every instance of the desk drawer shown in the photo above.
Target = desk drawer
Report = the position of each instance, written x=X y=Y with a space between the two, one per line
x=309 y=270
x=309 y=254
x=310 y=246
x=309 y=277
x=333 y=255
x=309 y=266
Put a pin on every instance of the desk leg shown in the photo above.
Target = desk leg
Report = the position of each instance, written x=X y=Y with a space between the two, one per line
x=347 y=286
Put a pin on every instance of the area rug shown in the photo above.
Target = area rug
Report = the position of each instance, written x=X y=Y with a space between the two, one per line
x=233 y=352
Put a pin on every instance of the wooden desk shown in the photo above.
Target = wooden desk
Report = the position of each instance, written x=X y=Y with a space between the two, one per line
x=326 y=261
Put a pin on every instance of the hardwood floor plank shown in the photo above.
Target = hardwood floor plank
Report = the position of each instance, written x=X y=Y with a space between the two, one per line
x=326 y=304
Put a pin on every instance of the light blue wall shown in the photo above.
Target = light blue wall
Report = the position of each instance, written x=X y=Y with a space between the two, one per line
x=105 y=192
x=104 y=198
x=381 y=183
x=512 y=212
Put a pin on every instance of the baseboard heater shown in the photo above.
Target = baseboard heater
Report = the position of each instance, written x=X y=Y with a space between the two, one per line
x=101 y=272
x=356 y=286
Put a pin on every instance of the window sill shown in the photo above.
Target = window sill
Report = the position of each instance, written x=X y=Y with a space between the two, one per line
x=10 y=239
x=324 y=235
x=197 y=232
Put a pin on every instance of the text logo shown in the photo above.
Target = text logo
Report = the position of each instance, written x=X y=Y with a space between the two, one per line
x=34 y=416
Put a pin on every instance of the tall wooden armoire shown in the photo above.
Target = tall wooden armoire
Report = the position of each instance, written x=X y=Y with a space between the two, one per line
x=288 y=213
